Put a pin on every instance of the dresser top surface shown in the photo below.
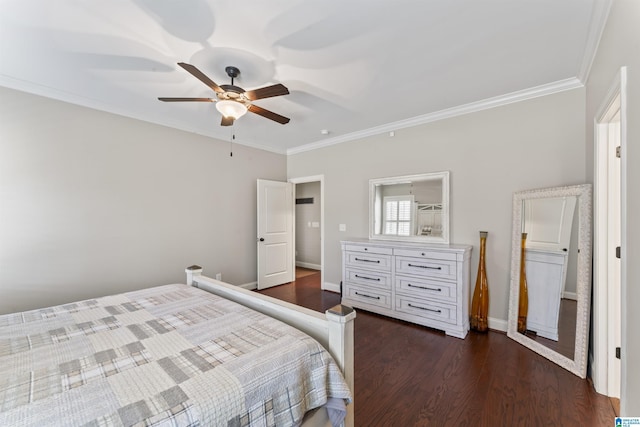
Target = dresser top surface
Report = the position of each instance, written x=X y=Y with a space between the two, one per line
x=408 y=245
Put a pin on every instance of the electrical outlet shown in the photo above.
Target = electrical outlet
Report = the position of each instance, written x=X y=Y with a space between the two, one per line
x=342 y=227
x=219 y=276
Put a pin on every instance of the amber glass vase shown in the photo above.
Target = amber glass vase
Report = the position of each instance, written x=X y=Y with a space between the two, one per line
x=523 y=294
x=480 y=302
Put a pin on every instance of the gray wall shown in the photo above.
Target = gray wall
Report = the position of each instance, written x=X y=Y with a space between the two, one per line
x=490 y=154
x=619 y=46
x=93 y=203
x=308 y=238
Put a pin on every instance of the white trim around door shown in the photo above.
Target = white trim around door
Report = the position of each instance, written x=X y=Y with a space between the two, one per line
x=303 y=180
x=608 y=372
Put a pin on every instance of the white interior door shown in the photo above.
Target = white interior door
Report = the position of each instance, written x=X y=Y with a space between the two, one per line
x=275 y=233
x=548 y=223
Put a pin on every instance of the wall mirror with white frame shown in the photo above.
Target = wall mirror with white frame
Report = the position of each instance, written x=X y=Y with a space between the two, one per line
x=557 y=261
x=410 y=207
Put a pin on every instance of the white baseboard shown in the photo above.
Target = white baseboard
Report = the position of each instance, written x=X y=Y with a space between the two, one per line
x=328 y=286
x=590 y=370
x=497 y=324
x=570 y=295
x=308 y=265
x=252 y=286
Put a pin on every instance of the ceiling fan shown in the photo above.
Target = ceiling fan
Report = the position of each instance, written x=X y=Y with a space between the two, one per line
x=233 y=101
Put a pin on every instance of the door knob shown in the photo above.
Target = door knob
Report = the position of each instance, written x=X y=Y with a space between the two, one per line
x=262 y=239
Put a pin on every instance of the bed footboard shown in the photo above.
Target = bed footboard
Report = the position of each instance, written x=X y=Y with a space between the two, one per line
x=333 y=329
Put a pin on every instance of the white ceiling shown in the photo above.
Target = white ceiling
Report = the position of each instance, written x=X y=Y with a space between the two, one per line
x=354 y=68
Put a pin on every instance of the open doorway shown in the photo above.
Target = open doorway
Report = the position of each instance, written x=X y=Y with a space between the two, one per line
x=309 y=226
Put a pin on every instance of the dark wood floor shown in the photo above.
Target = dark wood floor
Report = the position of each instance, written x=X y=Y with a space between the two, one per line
x=409 y=375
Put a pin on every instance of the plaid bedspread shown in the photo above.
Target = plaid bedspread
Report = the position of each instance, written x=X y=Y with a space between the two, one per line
x=167 y=356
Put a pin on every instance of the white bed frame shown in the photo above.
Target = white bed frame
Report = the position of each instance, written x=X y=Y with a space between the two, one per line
x=333 y=329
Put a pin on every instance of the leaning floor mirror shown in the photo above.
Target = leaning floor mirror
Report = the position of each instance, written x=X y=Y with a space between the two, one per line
x=550 y=296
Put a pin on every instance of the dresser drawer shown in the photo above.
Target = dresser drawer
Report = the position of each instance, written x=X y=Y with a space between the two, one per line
x=426 y=267
x=425 y=253
x=369 y=278
x=368 y=296
x=369 y=261
x=427 y=309
x=429 y=289
x=369 y=249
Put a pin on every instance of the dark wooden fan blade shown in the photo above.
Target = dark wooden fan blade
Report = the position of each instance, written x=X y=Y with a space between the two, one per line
x=227 y=121
x=200 y=76
x=267 y=92
x=268 y=114
x=187 y=99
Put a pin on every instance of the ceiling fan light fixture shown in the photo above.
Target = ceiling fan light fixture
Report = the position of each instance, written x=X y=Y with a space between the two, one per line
x=232 y=109
x=233 y=102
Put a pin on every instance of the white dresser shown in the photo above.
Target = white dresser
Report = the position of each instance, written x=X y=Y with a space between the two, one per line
x=546 y=276
x=423 y=284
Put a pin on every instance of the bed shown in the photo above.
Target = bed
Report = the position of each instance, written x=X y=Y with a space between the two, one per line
x=205 y=353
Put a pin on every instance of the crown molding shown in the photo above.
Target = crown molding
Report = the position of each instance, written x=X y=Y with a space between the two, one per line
x=510 y=98
x=523 y=95
x=599 y=16
x=82 y=101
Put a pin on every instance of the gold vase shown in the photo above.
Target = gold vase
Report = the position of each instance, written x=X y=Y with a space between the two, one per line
x=480 y=302
x=523 y=294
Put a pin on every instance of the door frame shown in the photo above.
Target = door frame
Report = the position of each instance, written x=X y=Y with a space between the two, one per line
x=603 y=349
x=304 y=180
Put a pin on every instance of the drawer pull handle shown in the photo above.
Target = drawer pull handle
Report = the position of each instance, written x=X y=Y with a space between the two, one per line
x=377 y=279
x=365 y=295
x=425 y=266
x=368 y=260
x=424 y=308
x=424 y=287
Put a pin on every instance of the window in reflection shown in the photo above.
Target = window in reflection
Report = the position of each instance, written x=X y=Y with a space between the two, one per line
x=398 y=215
x=410 y=208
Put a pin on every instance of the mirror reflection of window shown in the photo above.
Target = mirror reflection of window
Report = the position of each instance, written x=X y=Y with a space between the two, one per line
x=398 y=215
x=424 y=218
x=411 y=208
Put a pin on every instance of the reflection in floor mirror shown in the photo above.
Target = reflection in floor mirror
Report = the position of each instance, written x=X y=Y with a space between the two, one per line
x=556 y=256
